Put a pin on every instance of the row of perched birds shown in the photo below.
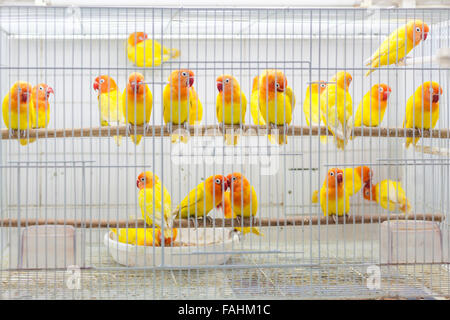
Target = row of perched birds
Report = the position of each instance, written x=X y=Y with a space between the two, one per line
x=236 y=198
x=272 y=100
x=232 y=194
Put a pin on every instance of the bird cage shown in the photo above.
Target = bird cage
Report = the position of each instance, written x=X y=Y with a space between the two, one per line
x=339 y=151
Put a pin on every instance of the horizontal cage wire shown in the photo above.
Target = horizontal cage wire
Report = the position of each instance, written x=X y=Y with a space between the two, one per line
x=171 y=153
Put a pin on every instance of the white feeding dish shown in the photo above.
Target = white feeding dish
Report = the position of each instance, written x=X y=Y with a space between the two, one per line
x=203 y=246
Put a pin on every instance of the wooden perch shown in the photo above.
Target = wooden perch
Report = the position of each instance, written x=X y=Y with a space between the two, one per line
x=257 y=222
x=214 y=130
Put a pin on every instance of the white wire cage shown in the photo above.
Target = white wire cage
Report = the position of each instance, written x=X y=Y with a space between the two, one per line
x=78 y=183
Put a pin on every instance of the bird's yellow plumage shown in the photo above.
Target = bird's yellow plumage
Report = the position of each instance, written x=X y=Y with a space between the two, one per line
x=181 y=104
x=154 y=199
x=18 y=109
x=231 y=105
x=137 y=103
x=336 y=107
x=389 y=194
x=422 y=109
x=334 y=199
x=203 y=198
x=144 y=52
x=372 y=107
x=272 y=101
x=398 y=44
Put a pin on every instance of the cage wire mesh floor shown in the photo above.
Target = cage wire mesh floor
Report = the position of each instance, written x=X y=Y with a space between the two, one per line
x=75 y=175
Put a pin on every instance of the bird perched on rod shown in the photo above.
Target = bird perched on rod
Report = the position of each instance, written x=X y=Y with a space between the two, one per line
x=154 y=201
x=422 y=109
x=40 y=96
x=145 y=52
x=389 y=194
x=311 y=104
x=18 y=110
x=398 y=44
x=334 y=199
x=372 y=107
x=354 y=180
x=337 y=108
x=203 y=198
x=272 y=101
x=240 y=201
x=181 y=104
x=231 y=105
x=137 y=103
x=109 y=103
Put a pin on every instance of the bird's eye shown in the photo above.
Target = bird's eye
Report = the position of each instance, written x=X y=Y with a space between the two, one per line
x=331 y=173
x=418 y=29
x=102 y=80
x=234 y=179
x=277 y=84
x=218 y=181
x=227 y=80
x=322 y=85
x=141 y=38
x=143 y=179
x=41 y=88
x=380 y=89
x=184 y=74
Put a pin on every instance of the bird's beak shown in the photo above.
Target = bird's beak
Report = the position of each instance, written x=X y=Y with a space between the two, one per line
x=138 y=184
x=24 y=96
x=96 y=86
x=220 y=86
x=191 y=81
x=49 y=90
x=228 y=183
x=425 y=35
x=339 y=178
x=435 y=98
x=386 y=94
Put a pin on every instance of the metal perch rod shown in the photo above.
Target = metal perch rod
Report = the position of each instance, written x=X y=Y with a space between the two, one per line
x=208 y=130
x=208 y=223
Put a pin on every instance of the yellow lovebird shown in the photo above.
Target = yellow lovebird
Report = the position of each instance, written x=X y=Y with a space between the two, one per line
x=18 y=110
x=372 y=107
x=354 y=180
x=145 y=52
x=311 y=104
x=109 y=103
x=398 y=44
x=144 y=236
x=231 y=105
x=336 y=107
x=389 y=195
x=240 y=201
x=180 y=102
x=40 y=95
x=422 y=109
x=334 y=199
x=272 y=101
x=203 y=198
x=151 y=190
x=137 y=103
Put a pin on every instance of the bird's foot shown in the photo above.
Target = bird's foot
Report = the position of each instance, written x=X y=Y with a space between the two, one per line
x=12 y=133
x=128 y=128
x=340 y=219
x=147 y=127
x=23 y=133
x=186 y=126
x=193 y=221
x=238 y=221
x=209 y=220
x=169 y=127
x=402 y=61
